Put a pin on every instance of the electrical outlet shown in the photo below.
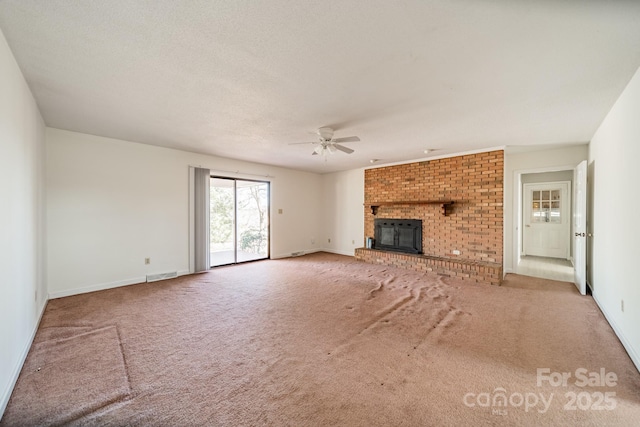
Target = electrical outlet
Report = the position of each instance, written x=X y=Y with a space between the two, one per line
x=622 y=305
x=313 y=240
x=455 y=252
x=353 y=242
x=147 y=261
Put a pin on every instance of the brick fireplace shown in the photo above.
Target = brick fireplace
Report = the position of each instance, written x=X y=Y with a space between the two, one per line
x=460 y=203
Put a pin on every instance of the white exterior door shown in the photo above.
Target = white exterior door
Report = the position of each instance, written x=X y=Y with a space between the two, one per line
x=580 y=226
x=546 y=220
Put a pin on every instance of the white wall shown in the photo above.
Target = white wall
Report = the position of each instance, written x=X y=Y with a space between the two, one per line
x=526 y=162
x=343 y=211
x=614 y=173
x=22 y=288
x=112 y=203
x=534 y=178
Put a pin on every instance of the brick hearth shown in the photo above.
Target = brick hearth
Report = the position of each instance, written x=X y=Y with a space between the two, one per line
x=477 y=271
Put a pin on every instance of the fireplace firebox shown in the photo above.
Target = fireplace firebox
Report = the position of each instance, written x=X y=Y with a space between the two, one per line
x=399 y=235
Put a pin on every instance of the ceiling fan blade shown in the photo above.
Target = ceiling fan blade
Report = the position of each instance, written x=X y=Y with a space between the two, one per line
x=346 y=139
x=342 y=148
x=296 y=143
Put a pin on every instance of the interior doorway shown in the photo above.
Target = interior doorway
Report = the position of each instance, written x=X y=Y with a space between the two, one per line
x=239 y=220
x=544 y=243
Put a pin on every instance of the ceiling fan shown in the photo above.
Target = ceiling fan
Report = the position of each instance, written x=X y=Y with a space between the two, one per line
x=327 y=144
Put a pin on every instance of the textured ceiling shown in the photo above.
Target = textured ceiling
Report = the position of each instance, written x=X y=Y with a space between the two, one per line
x=243 y=79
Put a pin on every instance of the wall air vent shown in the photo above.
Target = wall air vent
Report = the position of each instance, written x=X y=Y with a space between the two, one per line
x=161 y=276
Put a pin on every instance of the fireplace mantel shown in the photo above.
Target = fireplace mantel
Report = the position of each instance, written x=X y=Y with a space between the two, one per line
x=445 y=204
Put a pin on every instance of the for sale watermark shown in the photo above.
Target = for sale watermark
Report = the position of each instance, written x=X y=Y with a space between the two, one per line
x=500 y=400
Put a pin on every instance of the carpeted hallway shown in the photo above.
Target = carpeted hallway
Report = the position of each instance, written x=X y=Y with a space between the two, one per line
x=325 y=340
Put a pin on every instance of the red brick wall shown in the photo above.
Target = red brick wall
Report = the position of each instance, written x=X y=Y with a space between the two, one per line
x=474 y=182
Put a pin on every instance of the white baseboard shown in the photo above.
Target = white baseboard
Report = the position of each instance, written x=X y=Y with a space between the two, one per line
x=311 y=251
x=6 y=394
x=97 y=287
x=103 y=286
x=635 y=357
x=289 y=254
x=280 y=256
x=339 y=252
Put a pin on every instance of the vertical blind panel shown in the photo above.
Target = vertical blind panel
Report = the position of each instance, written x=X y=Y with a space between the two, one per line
x=201 y=219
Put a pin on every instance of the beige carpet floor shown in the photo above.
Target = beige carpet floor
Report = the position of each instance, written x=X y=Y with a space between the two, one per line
x=325 y=340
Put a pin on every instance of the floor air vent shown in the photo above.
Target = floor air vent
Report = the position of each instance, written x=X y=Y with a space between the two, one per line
x=161 y=276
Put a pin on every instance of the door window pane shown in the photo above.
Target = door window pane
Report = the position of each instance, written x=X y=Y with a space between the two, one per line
x=253 y=220
x=545 y=206
x=222 y=221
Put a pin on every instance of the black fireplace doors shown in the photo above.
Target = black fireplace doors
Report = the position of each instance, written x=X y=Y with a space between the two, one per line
x=400 y=235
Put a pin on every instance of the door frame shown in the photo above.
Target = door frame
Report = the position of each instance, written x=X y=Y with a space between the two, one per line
x=518 y=207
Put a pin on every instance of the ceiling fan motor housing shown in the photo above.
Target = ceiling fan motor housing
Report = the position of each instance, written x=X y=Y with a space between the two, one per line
x=325 y=133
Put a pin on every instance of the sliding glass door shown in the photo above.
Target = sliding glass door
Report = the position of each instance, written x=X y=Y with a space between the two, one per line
x=222 y=216
x=239 y=214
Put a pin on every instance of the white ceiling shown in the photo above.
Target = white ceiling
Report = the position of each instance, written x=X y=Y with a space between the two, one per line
x=243 y=79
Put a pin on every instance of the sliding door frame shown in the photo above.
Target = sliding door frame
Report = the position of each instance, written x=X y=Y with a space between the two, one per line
x=235 y=218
